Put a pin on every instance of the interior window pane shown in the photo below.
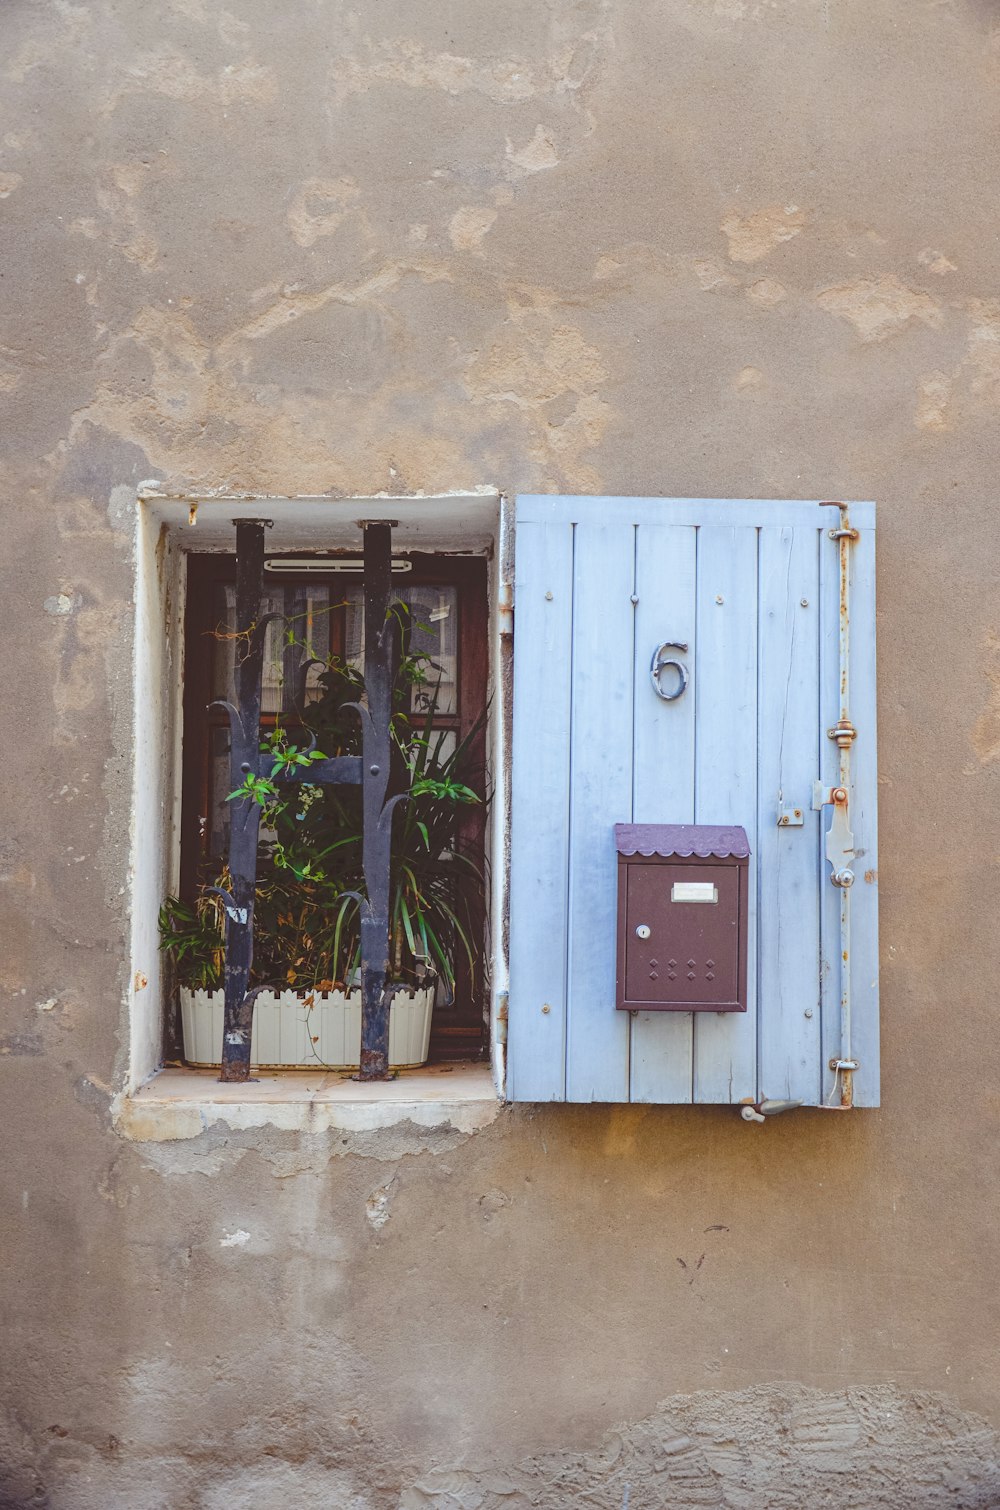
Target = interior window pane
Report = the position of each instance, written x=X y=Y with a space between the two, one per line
x=433 y=624
x=433 y=634
x=220 y=644
x=302 y=636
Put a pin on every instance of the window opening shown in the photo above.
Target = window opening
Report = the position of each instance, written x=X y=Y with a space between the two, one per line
x=319 y=619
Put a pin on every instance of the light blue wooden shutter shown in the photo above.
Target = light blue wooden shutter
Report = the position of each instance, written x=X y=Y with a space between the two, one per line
x=753 y=589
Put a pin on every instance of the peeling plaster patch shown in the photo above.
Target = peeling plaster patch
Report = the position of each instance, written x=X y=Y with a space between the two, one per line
x=985 y=735
x=532 y=360
x=752 y=237
x=492 y=1202
x=9 y=382
x=237 y=1239
x=712 y=275
x=292 y=1137
x=749 y=377
x=175 y=77
x=880 y=307
x=121 y=185
x=174 y=416
x=766 y=292
x=406 y=62
x=8 y=183
x=468 y=226
x=638 y=257
x=778 y=1444
x=539 y=154
x=983 y=356
x=936 y=262
x=378 y=1205
x=319 y=208
x=933 y=394
x=562 y=78
x=63 y=603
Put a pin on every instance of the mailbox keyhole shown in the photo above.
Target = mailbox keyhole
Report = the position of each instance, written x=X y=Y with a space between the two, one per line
x=643 y=931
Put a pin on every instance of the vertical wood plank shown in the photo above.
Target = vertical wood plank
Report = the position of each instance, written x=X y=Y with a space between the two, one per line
x=864 y=805
x=663 y=772
x=540 y=811
x=725 y=1044
x=597 y=1044
x=787 y=858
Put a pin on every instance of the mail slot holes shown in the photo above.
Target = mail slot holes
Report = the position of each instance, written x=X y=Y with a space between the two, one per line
x=690 y=960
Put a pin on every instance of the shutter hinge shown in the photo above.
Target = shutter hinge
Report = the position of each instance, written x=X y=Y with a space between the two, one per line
x=505 y=608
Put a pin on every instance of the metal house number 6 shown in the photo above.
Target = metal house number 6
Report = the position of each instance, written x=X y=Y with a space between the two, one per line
x=660 y=662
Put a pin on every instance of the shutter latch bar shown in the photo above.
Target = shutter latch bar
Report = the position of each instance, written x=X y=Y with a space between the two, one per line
x=840 y=839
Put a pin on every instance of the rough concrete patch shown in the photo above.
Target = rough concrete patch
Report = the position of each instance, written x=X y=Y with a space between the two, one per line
x=880 y=307
x=751 y=237
x=780 y=1445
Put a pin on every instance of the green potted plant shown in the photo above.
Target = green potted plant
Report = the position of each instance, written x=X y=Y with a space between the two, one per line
x=306 y=914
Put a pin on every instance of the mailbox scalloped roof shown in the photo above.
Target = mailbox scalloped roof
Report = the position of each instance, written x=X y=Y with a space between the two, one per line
x=724 y=841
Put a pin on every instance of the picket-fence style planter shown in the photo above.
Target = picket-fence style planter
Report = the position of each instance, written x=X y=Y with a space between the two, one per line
x=288 y=1032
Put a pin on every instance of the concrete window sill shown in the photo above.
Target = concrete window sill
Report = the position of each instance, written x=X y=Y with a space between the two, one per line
x=182 y=1103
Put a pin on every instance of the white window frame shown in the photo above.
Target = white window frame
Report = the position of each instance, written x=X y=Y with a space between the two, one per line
x=167 y=528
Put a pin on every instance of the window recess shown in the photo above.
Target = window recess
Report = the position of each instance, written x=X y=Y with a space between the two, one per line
x=447 y=549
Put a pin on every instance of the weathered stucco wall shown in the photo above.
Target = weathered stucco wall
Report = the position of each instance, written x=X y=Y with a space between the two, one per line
x=708 y=248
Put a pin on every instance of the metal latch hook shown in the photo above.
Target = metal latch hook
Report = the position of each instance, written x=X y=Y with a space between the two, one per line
x=660 y=662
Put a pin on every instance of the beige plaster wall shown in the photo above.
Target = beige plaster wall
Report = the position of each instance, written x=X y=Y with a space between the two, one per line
x=698 y=247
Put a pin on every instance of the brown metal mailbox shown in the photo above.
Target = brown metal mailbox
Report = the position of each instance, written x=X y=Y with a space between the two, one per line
x=682 y=917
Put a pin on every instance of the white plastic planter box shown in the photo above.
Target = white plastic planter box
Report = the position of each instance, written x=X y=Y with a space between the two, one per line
x=288 y=1032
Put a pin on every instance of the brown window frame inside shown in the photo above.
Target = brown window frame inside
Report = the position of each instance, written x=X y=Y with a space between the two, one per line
x=458 y=1032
